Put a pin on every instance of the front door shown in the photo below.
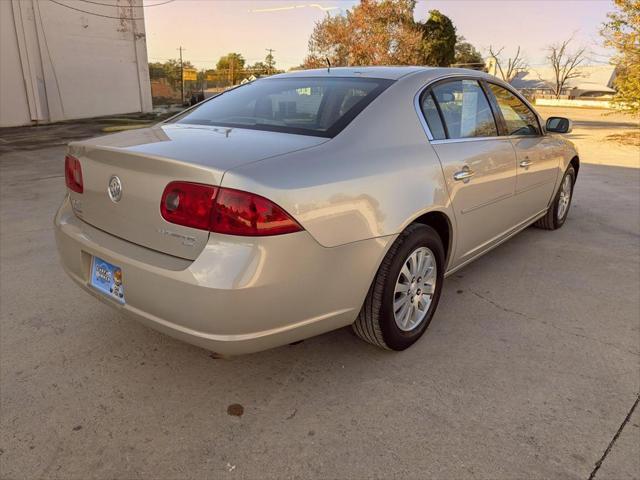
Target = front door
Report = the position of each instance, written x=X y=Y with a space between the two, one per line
x=538 y=156
x=478 y=165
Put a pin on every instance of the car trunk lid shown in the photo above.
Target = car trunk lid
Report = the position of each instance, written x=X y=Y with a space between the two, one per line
x=145 y=161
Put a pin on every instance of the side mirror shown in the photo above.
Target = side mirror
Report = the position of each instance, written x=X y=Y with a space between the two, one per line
x=559 y=125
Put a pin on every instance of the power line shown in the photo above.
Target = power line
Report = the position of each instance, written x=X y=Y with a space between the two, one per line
x=247 y=60
x=95 y=14
x=127 y=6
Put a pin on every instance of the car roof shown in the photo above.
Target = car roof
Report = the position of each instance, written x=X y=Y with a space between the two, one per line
x=390 y=73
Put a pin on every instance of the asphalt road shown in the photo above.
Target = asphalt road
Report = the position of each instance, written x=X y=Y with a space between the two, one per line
x=530 y=369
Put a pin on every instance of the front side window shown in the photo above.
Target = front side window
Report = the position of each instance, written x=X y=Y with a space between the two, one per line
x=519 y=119
x=308 y=106
x=465 y=109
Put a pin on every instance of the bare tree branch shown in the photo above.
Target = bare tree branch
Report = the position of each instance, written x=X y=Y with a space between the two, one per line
x=565 y=64
x=513 y=65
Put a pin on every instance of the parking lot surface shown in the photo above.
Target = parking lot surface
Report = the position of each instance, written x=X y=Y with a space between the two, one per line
x=530 y=368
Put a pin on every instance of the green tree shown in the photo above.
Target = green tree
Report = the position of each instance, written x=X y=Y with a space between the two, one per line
x=258 y=68
x=438 y=40
x=169 y=70
x=622 y=32
x=155 y=70
x=232 y=65
x=270 y=62
x=466 y=54
x=261 y=68
x=268 y=67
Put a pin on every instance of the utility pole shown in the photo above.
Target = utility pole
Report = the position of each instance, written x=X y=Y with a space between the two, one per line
x=181 y=76
x=270 y=60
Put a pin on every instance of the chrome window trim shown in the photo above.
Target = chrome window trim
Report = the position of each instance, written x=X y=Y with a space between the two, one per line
x=468 y=139
x=416 y=99
x=496 y=81
x=479 y=139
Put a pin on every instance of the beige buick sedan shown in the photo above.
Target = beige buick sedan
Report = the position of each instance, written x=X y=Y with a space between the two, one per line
x=309 y=201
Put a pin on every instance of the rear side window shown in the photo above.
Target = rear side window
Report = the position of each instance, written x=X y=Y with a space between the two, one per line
x=519 y=119
x=430 y=111
x=465 y=109
x=316 y=106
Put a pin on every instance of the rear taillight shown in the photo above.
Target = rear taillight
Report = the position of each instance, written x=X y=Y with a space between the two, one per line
x=240 y=213
x=224 y=210
x=188 y=204
x=73 y=174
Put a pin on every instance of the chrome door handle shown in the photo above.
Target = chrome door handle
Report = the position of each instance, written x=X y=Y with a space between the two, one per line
x=526 y=163
x=465 y=174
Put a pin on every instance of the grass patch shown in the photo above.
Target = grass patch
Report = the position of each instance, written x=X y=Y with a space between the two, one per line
x=122 y=128
x=631 y=138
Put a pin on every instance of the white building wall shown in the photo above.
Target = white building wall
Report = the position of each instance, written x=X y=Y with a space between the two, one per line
x=14 y=109
x=60 y=64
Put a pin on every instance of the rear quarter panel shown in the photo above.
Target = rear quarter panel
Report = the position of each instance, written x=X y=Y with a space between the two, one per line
x=371 y=180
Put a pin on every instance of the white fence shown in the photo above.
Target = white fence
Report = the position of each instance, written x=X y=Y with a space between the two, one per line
x=562 y=102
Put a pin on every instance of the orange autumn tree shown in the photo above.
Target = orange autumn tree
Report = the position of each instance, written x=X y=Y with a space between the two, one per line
x=622 y=32
x=374 y=32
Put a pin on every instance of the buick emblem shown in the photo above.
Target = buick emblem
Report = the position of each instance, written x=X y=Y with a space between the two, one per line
x=115 y=189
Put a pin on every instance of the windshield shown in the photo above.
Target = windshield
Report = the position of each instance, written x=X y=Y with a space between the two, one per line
x=307 y=106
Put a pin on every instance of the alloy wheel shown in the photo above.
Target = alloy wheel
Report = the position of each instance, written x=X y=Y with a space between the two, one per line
x=565 y=197
x=414 y=289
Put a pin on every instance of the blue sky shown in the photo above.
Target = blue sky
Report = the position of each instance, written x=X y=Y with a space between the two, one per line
x=211 y=28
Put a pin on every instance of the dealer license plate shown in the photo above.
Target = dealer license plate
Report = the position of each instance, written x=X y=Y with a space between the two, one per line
x=107 y=278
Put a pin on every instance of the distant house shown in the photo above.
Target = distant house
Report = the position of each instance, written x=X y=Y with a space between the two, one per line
x=595 y=81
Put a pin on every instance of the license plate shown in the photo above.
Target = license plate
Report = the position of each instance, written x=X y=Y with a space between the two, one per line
x=107 y=278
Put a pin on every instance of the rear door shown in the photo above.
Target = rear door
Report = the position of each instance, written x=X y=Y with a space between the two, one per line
x=479 y=166
x=538 y=158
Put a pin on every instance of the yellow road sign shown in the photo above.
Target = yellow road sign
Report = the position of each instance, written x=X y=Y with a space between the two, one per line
x=190 y=74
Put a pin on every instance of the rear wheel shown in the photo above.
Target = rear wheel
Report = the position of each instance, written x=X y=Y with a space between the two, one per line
x=559 y=209
x=405 y=292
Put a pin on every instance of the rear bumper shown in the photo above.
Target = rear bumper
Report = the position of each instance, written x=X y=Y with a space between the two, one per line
x=240 y=295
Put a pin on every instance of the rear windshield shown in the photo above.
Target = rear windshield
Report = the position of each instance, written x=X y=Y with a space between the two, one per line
x=307 y=106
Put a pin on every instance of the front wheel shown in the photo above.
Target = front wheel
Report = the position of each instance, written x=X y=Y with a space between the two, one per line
x=559 y=209
x=405 y=292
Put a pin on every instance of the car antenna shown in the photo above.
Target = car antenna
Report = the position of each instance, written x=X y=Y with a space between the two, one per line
x=328 y=64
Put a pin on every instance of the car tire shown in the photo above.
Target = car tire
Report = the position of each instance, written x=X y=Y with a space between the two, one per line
x=559 y=209
x=377 y=322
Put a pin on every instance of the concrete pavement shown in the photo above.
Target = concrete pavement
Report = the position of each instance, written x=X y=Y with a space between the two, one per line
x=528 y=370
